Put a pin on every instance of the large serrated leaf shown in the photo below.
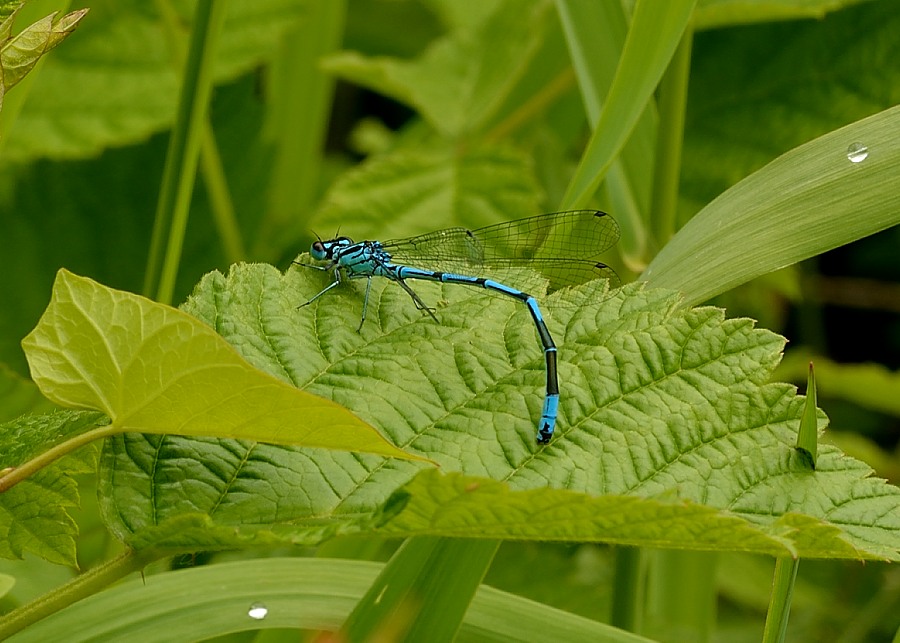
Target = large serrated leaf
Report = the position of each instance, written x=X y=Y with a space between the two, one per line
x=657 y=402
x=154 y=369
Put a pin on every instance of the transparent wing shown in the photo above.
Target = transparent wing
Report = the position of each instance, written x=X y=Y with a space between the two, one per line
x=556 y=245
x=563 y=273
x=578 y=234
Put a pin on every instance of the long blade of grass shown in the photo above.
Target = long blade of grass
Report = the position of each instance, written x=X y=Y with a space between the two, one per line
x=423 y=592
x=595 y=60
x=780 y=601
x=809 y=200
x=656 y=30
x=296 y=593
x=672 y=104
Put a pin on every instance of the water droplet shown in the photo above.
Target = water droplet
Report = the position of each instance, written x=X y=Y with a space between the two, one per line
x=857 y=152
x=257 y=611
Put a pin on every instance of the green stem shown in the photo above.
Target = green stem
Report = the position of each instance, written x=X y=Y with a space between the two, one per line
x=534 y=106
x=220 y=198
x=214 y=180
x=671 y=103
x=681 y=596
x=297 y=121
x=780 y=602
x=82 y=586
x=184 y=149
x=23 y=471
x=628 y=588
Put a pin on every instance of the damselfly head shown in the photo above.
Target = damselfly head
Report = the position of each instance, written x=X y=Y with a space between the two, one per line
x=325 y=249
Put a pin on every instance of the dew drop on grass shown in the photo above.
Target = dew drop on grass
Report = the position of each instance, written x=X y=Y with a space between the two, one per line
x=857 y=152
x=257 y=611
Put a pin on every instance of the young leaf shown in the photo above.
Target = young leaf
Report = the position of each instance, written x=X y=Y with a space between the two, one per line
x=154 y=369
x=20 y=53
x=871 y=385
x=808 y=435
x=657 y=403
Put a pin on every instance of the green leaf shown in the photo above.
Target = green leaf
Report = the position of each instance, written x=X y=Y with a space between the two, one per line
x=595 y=61
x=34 y=514
x=460 y=506
x=424 y=591
x=664 y=412
x=412 y=191
x=458 y=84
x=812 y=199
x=154 y=369
x=306 y=593
x=780 y=605
x=723 y=13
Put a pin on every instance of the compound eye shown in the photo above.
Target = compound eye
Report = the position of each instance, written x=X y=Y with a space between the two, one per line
x=319 y=250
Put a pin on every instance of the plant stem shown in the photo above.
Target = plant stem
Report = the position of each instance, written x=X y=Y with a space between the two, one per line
x=184 y=149
x=82 y=586
x=26 y=469
x=221 y=205
x=780 y=601
x=297 y=121
x=672 y=104
x=628 y=595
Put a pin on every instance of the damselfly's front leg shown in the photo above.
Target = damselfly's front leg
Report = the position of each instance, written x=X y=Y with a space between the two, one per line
x=337 y=280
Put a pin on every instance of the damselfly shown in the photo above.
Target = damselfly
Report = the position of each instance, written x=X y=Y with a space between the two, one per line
x=561 y=246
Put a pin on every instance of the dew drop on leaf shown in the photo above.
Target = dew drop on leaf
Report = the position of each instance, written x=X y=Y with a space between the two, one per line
x=257 y=611
x=857 y=152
